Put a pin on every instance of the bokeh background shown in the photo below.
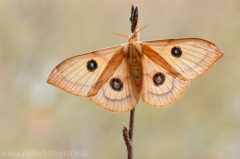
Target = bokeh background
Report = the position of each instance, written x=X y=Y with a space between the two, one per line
x=34 y=116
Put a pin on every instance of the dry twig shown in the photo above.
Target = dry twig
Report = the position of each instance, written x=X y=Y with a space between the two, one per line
x=128 y=135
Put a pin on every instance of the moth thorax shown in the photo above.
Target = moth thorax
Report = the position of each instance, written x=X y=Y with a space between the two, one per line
x=134 y=53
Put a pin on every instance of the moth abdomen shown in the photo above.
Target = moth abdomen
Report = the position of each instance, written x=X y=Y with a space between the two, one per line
x=135 y=66
x=136 y=71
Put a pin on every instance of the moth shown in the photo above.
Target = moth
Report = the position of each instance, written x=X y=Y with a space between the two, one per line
x=115 y=78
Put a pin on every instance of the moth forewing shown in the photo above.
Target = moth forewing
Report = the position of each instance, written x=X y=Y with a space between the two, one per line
x=108 y=71
x=190 y=57
x=161 y=61
x=77 y=74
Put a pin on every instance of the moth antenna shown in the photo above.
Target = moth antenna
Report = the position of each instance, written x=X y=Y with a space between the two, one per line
x=121 y=35
x=140 y=30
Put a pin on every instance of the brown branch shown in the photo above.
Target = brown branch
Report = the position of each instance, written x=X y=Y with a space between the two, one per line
x=134 y=18
x=128 y=135
x=131 y=124
x=127 y=141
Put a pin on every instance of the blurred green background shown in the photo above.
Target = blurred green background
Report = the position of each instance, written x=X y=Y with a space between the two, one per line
x=34 y=116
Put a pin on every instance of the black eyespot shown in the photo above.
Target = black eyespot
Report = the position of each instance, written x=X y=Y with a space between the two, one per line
x=158 y=79
x=92 y=65
x=116 y=84
x=176 y=51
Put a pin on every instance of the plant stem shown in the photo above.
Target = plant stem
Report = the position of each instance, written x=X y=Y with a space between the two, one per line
x=128 y=135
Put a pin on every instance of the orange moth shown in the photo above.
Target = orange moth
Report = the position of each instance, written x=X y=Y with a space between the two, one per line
x=115 y=78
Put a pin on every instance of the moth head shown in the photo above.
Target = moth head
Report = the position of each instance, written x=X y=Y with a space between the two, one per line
x=135 y=36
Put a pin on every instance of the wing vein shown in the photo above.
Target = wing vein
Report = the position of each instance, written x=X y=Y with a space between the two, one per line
x=129 y=86
x=155 y=87
x=87 y=80
x=77 y=80
x=103 y=95
x=183 y=63
x=187 y=66
x=178 y=66
x=95 y=77
x=71 y=72
x=191 y=61
x=196 y=52
x=122 y=91
x=200 y=48
x=171 y=82
x=65 y=70
x=150 y=78
x=109 y=97
x=126 y=91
